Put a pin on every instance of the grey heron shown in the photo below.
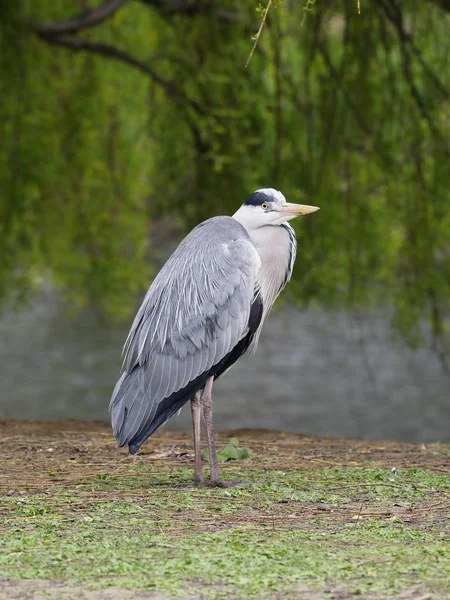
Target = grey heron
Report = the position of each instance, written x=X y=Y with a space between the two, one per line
x=204 y=309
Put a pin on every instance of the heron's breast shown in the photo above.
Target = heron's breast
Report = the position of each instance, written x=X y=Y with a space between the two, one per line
x=274 y=248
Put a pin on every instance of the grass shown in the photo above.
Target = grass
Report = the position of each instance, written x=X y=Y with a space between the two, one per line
x=336 y=517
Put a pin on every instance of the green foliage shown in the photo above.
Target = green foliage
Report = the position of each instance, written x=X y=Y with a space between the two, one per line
x=72 y=187
x=349 y=112
x=232 y=451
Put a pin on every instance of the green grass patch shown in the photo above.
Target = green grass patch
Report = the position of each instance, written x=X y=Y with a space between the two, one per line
x=363 y=527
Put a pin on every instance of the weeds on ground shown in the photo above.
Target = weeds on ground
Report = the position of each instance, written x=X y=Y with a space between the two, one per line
x=140 y=524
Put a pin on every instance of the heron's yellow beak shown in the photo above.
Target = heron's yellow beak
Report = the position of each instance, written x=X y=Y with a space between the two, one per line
x=295 y=210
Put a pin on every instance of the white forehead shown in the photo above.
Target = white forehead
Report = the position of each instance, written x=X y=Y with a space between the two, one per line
x=275 y=195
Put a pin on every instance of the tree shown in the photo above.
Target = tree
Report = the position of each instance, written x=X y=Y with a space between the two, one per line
x=130 y=112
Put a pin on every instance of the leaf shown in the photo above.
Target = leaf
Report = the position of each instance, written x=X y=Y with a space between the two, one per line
x=230 y=452
x=243 y=453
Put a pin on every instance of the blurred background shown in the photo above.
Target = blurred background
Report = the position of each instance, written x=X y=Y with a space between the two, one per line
x=125 y=123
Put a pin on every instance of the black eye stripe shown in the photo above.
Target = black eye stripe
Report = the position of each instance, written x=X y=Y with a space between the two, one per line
x=257 y=199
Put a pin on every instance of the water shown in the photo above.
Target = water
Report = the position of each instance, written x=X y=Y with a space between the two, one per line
x=312 y=373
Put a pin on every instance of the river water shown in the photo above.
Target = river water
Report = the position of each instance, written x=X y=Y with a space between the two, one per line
x=313 y=373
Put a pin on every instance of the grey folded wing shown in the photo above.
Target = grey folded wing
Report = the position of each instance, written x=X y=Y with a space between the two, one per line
x=194 y=314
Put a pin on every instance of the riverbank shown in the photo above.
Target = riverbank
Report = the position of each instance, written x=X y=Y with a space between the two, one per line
x=324 y=518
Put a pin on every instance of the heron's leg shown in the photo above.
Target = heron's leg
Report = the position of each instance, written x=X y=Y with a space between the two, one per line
x=196 y=411
x=206 y=401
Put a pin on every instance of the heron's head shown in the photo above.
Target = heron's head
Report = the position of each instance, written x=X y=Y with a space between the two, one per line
x=269 y=207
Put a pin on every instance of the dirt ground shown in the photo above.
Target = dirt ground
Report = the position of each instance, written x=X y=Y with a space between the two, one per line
x=38 y=590
x=41 y=456
x=81 y=441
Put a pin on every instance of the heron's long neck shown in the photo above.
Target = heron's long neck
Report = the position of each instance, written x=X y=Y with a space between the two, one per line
x=276 y=245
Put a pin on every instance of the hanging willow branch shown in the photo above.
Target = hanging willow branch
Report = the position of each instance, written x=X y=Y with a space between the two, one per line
x=261 y=27
x=306 y=9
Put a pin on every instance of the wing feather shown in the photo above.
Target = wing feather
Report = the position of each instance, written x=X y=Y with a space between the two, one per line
x=195 y=312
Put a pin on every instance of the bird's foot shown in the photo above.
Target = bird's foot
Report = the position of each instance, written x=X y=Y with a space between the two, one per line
x=227 y=483
x=200 y=481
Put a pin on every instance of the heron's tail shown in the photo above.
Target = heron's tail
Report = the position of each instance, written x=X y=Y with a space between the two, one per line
x=131 y=411
x=135 y=416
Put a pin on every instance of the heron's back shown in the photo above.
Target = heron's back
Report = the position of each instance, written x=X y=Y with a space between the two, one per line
x=197 y=318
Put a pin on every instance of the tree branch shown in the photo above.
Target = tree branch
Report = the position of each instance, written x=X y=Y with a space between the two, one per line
x=186 y=7
x=337 y=77
x=84 y=20
x=193 y=7
x=395 y=16
x=444 y=4
x=80 y=45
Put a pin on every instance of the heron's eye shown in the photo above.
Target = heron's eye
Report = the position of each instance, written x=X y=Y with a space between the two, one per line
x=264 y=206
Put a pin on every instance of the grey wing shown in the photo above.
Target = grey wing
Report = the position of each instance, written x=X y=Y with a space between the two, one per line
x=194 y=314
